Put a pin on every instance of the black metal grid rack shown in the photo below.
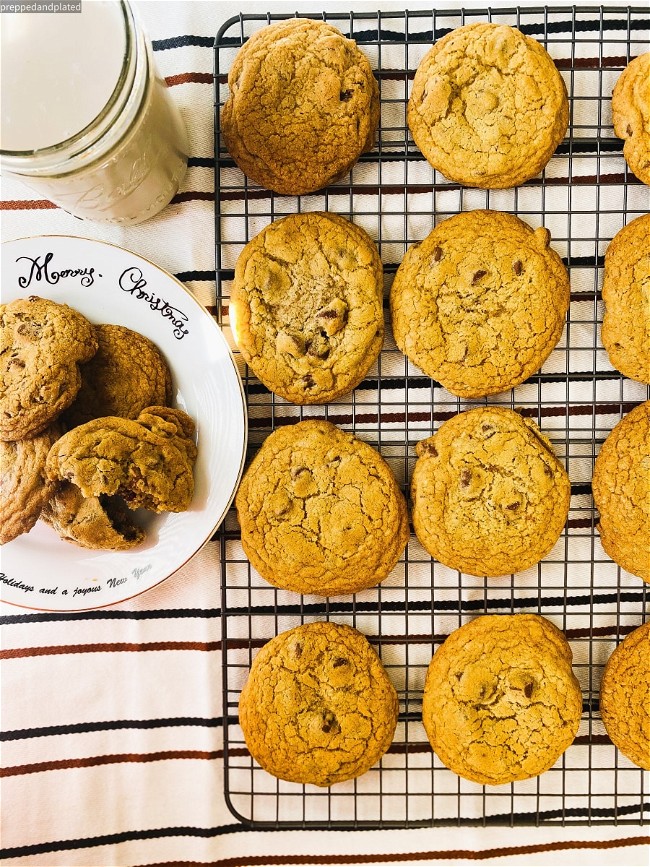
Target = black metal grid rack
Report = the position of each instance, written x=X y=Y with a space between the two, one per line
x=584 y=196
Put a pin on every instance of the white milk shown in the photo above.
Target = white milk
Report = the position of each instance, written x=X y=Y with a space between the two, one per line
x=58 y=72
x=86 y=120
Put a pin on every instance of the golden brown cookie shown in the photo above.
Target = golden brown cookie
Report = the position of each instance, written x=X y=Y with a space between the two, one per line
x=488 y=106
x=621 y=489
x=126 y=374
x=489 y=495
x=480 y=303
x=625 y=696
x=42 y=344
x=501 y=702
x=320 y=511
x=631 y=115
x=24 y=487
x=626 y=293
x=307 y=306
x=303 y=106
x=148 y=463
x=91 y=522
x=318 y=706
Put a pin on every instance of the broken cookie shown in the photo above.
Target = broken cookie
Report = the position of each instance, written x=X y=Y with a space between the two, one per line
x=91 y=522
x=149 y=463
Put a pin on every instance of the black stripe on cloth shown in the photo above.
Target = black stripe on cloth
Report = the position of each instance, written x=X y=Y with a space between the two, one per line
x=111 y=725
x=205 y=162
x=185 y=276
x=331 y=607
x=440 y=605
x=190 y=831
x=182 y=42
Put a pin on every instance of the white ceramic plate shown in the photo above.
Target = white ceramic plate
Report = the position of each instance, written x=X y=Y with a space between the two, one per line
x=111 y=285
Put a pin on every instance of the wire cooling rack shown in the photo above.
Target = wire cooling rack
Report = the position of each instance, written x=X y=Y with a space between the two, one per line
x=584 y=196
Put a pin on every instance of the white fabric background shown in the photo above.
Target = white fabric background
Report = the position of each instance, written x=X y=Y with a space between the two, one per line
x=126 y=676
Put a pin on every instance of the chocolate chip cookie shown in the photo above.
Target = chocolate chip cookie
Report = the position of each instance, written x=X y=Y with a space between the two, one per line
x=488 y=106
x=24 y=486
x=307 y=306
x=501 y=702
x=621 y=489
x=625 y=696
x=126 y=374
x=148 y=461
x=489 y=495
x=631 y=115
x=303 y=106
x=626 y=293
x=318 y=706
x=480 y=303
x=91 y=522
x=320 y=511
x=42 y=344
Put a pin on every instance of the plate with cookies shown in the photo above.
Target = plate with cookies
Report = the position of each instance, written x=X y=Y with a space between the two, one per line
x=122 y=424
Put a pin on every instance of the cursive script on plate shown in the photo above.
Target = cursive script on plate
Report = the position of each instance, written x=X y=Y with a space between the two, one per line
x=133 y=282
x=41 y=270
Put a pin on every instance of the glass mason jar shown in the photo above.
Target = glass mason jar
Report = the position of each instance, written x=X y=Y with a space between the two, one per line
x=127 y=163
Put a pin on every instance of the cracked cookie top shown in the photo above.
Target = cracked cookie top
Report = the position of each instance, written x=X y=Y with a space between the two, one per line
x=126 y=374
x=488 y=106
x=625 y=696
x=149 y=461
x=501 y=702
x=621 y=489
x=320 y=511
x=480 y=303
x=489 y=495
x=631 y=115
x=24 y=485
x=626 y=293
x=303 y=106
x=318 y=706
x=307 y=306
x=42 y=344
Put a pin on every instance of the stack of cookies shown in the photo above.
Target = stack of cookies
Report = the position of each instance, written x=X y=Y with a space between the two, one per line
x=87 y=433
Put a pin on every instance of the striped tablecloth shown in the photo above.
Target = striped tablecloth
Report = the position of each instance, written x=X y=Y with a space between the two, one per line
x=113 y=719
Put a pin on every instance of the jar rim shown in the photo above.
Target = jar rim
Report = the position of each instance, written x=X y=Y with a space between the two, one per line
x=86 y=137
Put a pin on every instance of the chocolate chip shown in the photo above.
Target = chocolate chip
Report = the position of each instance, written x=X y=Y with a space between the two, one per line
x=17 y=362
x=330 y=723
x=478 y=276
x=437 y=254
x=345 y=95
x=487 y=428
x=308 y=381
x=430 y=449
x=518 y=268
x=297 y=648
x=465 y=478
x=339 y=662
x=327 y=314
x=528 y=690
x=629 y=129
x=513 y=507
